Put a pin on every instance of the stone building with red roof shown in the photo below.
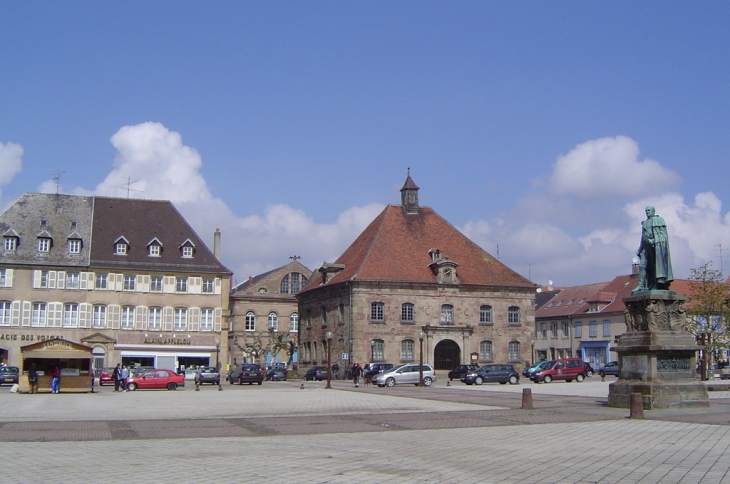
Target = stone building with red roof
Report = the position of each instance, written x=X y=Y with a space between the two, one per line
x=411 y=272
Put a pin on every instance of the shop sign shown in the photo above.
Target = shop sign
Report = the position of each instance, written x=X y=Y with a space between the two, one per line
x=167 y=341
x=27 y=337
x=57 y=343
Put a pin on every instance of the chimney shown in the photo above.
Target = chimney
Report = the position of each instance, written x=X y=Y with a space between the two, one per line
x=217 y=243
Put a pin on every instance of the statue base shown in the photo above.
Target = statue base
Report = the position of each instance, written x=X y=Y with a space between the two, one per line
x=658 y=364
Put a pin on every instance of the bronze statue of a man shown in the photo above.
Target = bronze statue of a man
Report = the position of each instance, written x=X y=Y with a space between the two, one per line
x=655 y=263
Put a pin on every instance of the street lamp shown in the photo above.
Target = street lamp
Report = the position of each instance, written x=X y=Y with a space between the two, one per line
x=421 y=335
x=372 y=350
x=328 y=335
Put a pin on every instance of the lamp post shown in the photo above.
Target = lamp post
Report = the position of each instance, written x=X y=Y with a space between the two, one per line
x=372 y=350
x=532 y=351
x=328 y=335
x=421 y=335
x=217 y=354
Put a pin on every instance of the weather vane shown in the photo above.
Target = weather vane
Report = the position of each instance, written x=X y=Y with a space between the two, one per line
x=295 y=257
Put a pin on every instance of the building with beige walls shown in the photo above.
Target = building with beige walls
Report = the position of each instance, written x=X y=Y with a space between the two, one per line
x=409 y=274
x=128 y=277
x=264 y=317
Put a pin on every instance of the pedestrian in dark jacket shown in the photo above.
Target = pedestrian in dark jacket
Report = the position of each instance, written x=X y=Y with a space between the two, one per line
x=356 y=372
x=117 y=376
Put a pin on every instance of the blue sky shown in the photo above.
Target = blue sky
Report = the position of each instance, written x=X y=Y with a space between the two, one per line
x=539 y=128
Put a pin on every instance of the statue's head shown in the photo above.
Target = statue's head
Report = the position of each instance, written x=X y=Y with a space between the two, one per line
x=650 y=211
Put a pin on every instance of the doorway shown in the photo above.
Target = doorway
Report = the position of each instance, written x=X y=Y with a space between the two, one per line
x=447 y=355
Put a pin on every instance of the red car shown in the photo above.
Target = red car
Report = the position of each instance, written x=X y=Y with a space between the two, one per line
x=156 y=378
x=106 y=377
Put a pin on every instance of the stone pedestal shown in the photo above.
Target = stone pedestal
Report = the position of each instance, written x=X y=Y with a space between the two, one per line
x=657 y=357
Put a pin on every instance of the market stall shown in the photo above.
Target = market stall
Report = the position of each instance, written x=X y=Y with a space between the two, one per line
x=73 y=359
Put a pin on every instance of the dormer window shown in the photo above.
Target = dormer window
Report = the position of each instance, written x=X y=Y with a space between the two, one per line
x=74 y=246
x=593 y=308
x=187 y=249
x=10 y=243
x=44 y=244
x=121 y=246
x=154 y=248
x=435 y=255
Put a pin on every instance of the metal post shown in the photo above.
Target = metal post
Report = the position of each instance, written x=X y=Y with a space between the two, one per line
x=329 y=359
x=420 y=367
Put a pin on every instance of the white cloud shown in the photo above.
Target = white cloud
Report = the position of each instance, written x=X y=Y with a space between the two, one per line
x=11 y=161
x=609 y=169
x=549 y=236
x=161 y=167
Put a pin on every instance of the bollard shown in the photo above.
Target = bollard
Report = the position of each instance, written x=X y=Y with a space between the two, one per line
x=448 y=383
x=302 y=387
x=637 y=406
x=527 y=399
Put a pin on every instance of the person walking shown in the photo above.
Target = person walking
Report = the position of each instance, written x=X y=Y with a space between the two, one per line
x=33 y=378
x=55 y=379
x=356 y=372
x=335 y=370
x=125 y=377
x=117 y=376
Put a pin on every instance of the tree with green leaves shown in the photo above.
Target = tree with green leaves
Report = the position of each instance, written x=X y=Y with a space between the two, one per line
x=709 y=311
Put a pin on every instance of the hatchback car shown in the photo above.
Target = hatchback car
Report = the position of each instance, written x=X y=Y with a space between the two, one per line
x=567 y=369
x=276 y=374
x=247 y=373
x=610 y=368
x=156 y=378
x=316 y=373
x=461 y=370
x=527 y=372
x=373 y=369
x=106 y=377
x=9 y=374
x=492 y=373
x=405 y=374
x=209 y=374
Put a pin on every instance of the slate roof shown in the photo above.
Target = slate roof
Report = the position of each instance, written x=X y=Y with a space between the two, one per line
x=395 y=247
x=25 y=216
x=139 y=221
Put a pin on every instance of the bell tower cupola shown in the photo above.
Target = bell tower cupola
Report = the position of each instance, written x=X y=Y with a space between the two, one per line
x=409 y=195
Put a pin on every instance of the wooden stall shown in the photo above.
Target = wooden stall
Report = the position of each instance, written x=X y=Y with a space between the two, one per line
x=74 y=360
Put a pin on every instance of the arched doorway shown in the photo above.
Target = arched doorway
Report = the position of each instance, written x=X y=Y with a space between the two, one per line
x=447 y=355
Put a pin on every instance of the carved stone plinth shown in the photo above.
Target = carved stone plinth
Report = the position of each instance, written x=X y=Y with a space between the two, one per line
x=657 y=357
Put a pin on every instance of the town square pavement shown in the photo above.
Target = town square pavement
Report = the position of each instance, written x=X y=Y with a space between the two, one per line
x=280 y=432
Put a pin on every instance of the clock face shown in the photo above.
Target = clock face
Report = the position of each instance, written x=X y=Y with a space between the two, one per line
x=447 y=272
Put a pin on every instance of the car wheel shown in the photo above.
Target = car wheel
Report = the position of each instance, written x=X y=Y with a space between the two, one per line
x=100 y=383
x=427 y=381
x=547 y=379
x=389 y=382
x=589 y=373
x=260 y=383
x=579 y=378
x=479 y=380
x=231 y=381
x=172 y=386
x=513 y=380
x=132 y=387
x=603 y=375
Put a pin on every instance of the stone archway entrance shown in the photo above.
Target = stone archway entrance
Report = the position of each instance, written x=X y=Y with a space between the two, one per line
x=447 y=355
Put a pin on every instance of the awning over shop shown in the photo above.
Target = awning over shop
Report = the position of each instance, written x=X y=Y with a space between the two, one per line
x=56 y=348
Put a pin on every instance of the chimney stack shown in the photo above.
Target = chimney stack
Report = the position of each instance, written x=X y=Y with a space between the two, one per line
x=217 y=244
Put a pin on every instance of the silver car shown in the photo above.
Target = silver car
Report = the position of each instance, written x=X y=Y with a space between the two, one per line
x=405 y=374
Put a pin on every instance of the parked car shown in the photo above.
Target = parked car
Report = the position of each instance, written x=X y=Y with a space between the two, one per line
x=209 y=374
x=9 y=374
x=527 y=372
x=317 y=373
x=461 y=370
x=492 y=373
x=610 y=368
x=247 y=373
x=589 y=368
x=140 y=369
x=567 y=369
x=276 y=374
x=156 y=378
x=372 y=369
x=106 y=377
x=190 y=374
x=405 y=374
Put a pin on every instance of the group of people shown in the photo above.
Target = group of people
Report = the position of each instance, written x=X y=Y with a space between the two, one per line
x=55 y=373
x=120 y=377
x=354 y=372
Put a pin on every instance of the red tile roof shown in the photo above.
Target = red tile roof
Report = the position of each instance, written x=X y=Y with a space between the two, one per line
x=395 y=247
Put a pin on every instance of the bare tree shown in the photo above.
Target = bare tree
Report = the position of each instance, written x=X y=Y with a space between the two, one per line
x=708 y=311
